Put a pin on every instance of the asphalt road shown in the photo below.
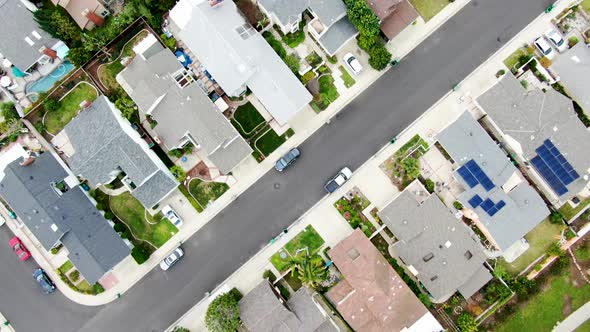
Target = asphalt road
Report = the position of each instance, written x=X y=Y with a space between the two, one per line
x=276 y=200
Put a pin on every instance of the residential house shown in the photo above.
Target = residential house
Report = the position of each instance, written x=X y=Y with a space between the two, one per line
x=164 y=90
x=237 y=56
x=100 y=144
x=48 y=199
x=542 y=131
x=22 y=42
x=506 y=206
x=573 y=68
x=372 y=297
x=437 y=249
x=394 y=15
x=265 y=310
x=330 y=26
x=86 y=13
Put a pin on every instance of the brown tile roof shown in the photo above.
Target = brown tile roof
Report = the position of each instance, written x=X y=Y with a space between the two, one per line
x=402 y=15
x=373 y=297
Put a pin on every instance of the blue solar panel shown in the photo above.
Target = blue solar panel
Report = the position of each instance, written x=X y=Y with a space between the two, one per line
x=549 y=176
x=467 y=176
x=500 y=205
x=487 y=204
x=492 y=211
x=475 y=201
x=487 y=184
x=554 y=167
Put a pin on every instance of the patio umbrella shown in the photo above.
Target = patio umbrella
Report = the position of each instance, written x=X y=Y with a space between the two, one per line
x=17 y=72
x=6 y=63
x=5 y=81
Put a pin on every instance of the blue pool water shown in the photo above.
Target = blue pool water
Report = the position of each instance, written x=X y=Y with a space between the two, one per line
x=47 y=82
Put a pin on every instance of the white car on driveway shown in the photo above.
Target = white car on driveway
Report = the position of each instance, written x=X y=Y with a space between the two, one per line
x=544 y=48
x=556 y=39
x=174 y=218
x=174 y=257
x=353 y=63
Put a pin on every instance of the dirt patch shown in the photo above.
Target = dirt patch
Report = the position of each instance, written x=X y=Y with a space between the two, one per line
x=567 y=306
x=200 y=171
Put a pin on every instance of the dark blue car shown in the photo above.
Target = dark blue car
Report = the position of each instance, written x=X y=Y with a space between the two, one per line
x=287 y=159
x=43 y=280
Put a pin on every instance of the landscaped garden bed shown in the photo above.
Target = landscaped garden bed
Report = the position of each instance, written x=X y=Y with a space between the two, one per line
x=352 y=211
x=69 y=275
x=519 y=57
x=346 y=78
x=247 y=120
x=429 y=8
x=63 y=111
x=206 y=192
x=308 y=240
x=155 y=231
x=404 y=166
x=569 y=212
x=328 y=92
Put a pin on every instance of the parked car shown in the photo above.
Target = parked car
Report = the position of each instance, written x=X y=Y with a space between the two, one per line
x=172 y=216
x=543 y=46
x=171 y=259
x=19 y=248
x=338 y=180
x=288 y=159
x=2 y=220
x=43 y=280
x=556 y=39
x=353 y=63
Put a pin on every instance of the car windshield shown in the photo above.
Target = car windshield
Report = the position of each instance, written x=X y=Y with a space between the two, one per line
x=558 y=41
x=17 y=247
x=22 y=254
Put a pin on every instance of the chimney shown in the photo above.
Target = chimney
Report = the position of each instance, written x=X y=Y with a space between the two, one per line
x=49 y=52
x=93 y=17
x=27 y=161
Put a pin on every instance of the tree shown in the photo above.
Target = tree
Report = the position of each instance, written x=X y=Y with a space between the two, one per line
x=57 y=23
x=379 y=57
x=141 y=253
x=51 y=105
x=310 y=270
x=362 y=17
x=79 y=55
x=554 y=249
x=556 y=217
x=467 y=323
x=366 y=42
x=223 y=314
x=8 y=111
x=126 y=106
x=180 y=329
x=178 y=173
x=293 y=63
x=411 y=167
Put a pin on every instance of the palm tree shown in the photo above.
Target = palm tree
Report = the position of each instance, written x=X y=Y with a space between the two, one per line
x=310 y=270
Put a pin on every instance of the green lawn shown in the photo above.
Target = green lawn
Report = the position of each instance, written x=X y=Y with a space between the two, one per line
x=56 y=120
x=307 y=238
x=512 y=61
x=269 y=142
x=132 y=213
x=540 y=238
x=248 y=117
x=569 y=212
x=107 y=73
x=205 y=192
x=545 y=309
x=348 y=80
x=294 y=282
x=586 y=326
x=586 y=5
x=582 y=253
x=65 y=267
x=429 y=8
x=84 y=286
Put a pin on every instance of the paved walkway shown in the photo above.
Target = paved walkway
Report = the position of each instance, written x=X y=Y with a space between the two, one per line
x=574 y=320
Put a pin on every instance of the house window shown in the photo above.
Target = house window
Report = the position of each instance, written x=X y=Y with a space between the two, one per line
x=104 y=13
x=245 y=31
x=183 y=78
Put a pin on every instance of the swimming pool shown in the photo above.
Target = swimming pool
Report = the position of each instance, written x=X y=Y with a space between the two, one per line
x=44 y=84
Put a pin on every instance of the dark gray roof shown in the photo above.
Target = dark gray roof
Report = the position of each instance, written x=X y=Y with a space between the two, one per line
x=261 y=310
x=573 y=68
x=529 y=118
x=93 y=245
x=18 y=24
x=328 y=11
x=289 y=11
x=182 y=111
x=466 y=140
x=104 y=143
x=236 y=55
x=337 y=35
x=430 y=229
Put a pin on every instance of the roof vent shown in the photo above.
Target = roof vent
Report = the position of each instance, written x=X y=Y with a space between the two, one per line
x=405 y=222
x=468 y=255
x=554 y=128
x=434 y=278
x=353 y=254
x=448 y=244
x=428 y=257
x=54 y=227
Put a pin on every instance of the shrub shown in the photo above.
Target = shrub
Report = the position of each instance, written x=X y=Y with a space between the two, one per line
x=268 y=275
x=223 y=314
x=170 y=42
x=332 y=59
x=97 y=289
x=556 y=217
x=178 y=173
x=74 y=275
x=538 y=267
x=294 y=39
x=366 y=42
x=545 y=62
x=126 y=106
x=572 y=41
x=100 y=206
x=177 y=153
x=292 y=61
x=411 y=167
x=140 y=253
x=275 y=44
x=429 y=184
x=55 y=250
x=119 y=228
x=379 y=57
x=362 y=17
x=425 y=299
x=328 y=90
x=180 y=328
x=458 y=205
x=554 y=249
x=524 y=83
x=8 y=111
x=40 y=127
x=109 y=215
x=466 y=323
x=51 y=104
x=307 y=77
x=500 y=73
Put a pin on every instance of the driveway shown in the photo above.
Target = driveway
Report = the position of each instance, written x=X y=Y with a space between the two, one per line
x=276 y=200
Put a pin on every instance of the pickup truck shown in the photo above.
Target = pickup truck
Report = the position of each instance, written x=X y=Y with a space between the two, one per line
x=338 y=180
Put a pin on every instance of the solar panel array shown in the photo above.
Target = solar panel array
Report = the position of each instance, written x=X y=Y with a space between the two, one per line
x=554 y=168
x=488 y=205
x=473 y=175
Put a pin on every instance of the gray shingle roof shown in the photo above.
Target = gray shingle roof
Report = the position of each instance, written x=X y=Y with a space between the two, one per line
x=573 y=68
x=262 y=311
x=529 y=118
x=430 y=228
x=337 y=35
x=104 y=143
x=93 y=245
x=286 y=11
x=18 y=24
x=237 y=56
x=182 y=111
x=466 y=140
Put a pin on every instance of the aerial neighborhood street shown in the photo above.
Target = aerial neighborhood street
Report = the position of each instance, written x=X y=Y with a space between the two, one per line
x=294 y=165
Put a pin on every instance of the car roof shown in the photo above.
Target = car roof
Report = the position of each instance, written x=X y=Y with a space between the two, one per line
x=542 y=42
